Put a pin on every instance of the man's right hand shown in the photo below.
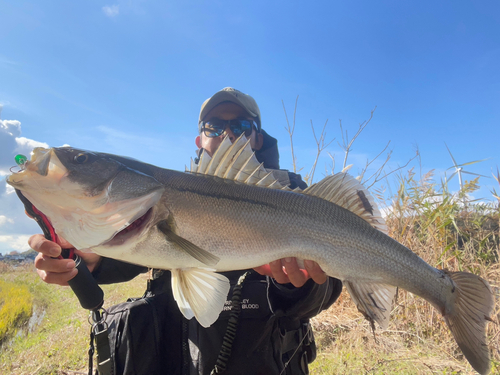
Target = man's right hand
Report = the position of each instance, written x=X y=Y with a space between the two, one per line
x=53 y=270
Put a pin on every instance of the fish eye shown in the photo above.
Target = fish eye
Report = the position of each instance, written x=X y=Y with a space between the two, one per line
x=81 y=158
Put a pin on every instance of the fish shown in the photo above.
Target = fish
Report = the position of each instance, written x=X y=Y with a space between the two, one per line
x=227 y=212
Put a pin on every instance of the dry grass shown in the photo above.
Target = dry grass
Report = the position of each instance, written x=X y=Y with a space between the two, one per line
x=447 y=231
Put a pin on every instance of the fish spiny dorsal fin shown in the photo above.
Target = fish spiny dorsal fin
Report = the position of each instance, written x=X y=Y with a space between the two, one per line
x=218 y=156
x=236 y=162
x=347 y=192
x=239 y=160
x=227 y=160
x=203 y=163
x=192 y=167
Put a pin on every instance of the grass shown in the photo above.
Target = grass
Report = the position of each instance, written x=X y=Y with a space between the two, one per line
x=59 y=344
x=16 y=303
x=447 y=230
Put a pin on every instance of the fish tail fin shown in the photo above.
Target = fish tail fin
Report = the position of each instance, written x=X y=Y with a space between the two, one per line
x=468 y=317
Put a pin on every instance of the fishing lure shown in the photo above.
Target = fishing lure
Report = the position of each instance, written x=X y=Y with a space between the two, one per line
x=21 y=161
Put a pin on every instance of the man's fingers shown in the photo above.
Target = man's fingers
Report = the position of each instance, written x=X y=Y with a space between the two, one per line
x=287 y=271
x=57 y=278
x=264 y=270
x=39 y=243
x=45 y=263
x=297 y=276
x=277 y=272
x=315 y=271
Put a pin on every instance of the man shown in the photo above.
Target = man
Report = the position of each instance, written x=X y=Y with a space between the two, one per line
x=271 y=334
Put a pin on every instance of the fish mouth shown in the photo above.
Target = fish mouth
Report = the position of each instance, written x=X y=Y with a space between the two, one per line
x=43 y=162
x=132 y=230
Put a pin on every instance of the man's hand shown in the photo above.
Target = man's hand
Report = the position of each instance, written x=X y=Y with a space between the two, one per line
x=287 y=271
x=57 y=271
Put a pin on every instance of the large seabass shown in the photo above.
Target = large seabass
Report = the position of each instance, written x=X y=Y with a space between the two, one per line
x=136 y=212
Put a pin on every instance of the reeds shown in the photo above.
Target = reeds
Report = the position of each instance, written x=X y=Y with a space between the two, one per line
x=449 y=231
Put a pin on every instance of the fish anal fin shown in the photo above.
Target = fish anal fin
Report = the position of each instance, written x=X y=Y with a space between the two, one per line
x=200 y=293
x=347 y=192
x=185 y=245
x=374 y=301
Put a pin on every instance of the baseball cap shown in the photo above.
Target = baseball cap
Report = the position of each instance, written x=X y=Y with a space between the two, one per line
x=228 y=94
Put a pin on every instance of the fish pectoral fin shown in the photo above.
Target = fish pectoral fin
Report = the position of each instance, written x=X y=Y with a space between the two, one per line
x=187 y=246
x=200 y=293
x=374 y=301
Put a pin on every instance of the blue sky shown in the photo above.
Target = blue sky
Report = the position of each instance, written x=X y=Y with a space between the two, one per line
x=128 y=77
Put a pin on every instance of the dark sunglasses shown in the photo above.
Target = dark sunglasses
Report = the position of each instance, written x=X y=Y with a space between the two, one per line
x=215 y=127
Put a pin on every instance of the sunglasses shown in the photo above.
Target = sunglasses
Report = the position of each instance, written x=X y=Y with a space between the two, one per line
x=215 y=127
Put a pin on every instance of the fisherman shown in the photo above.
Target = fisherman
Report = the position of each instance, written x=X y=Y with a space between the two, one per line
x=271 y=334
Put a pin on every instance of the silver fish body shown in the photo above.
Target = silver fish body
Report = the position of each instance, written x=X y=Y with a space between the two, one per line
x=195 y=224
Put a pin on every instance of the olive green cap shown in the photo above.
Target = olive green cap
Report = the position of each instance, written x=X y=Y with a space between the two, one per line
x=229 y=94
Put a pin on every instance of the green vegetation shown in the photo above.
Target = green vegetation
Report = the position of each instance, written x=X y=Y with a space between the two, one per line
x=58 y=344
x=16 y=303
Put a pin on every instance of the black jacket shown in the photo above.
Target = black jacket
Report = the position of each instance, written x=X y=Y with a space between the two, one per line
x=150 y=335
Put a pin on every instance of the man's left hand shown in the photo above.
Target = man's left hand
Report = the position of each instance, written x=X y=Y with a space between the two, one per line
x=287 y=271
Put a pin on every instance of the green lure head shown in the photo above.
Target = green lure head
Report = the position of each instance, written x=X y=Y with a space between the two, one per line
x=21 y=160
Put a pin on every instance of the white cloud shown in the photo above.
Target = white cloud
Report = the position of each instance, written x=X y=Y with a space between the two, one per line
x=24 y=145
x=11 y=127
x=111 y=11
x=11 y=143
x=9 y=189
x=15 y=226
x=6 y=61
x=15 y=242
x=5 y=219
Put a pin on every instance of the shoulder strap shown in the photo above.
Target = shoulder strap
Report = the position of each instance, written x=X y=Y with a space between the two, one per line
x=99 y=335
x=227 y=341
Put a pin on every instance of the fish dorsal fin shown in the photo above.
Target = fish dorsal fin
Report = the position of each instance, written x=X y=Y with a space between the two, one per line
x=200 y=293
x=347 y=192
x=218 y=155
x=236 y=162
x=373 y=300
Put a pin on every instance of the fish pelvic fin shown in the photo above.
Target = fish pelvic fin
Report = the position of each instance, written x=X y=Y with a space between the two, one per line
x=468 y=317
x=200 y=293
x=374 y=301
x=347 y=192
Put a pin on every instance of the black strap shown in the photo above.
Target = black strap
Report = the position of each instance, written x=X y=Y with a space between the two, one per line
x=104 y=363
x=91 y=351
x=99 y=335
x=227 y=341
